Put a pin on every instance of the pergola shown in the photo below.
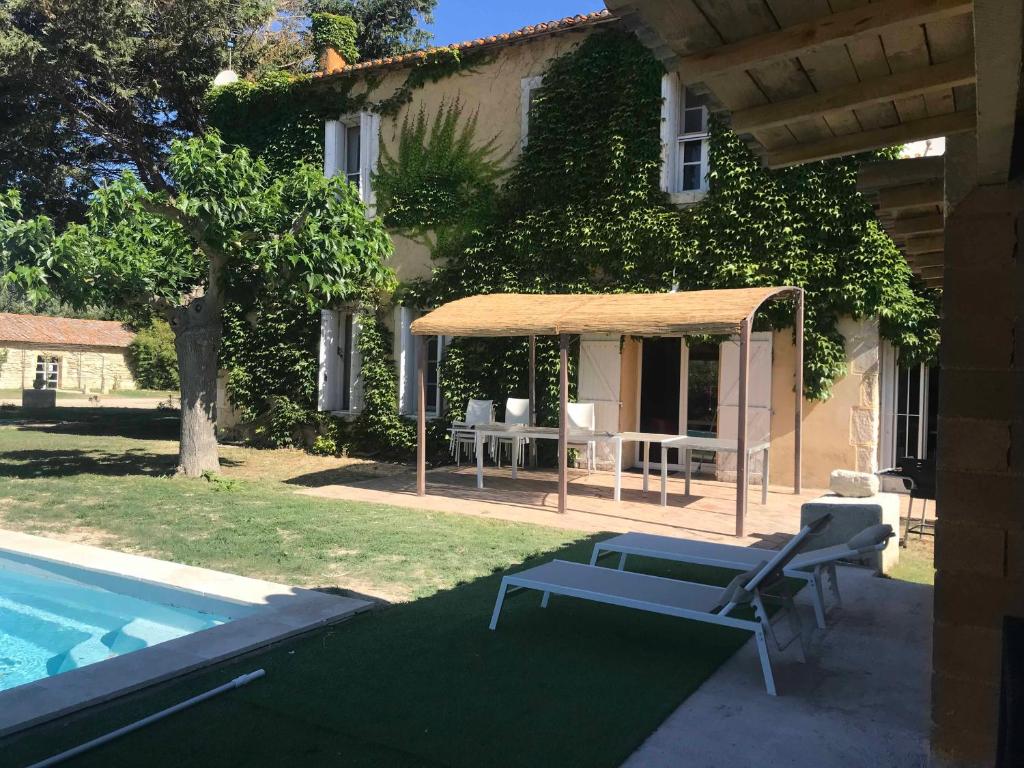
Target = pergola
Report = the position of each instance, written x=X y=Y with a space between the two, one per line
x=721 y=312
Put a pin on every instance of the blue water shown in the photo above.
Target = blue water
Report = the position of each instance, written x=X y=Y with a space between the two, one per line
x=53 y=625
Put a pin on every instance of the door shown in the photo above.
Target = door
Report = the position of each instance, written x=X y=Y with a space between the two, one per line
x=660 y=379
x=48 y=371
x=759 y=399
x=598 y=383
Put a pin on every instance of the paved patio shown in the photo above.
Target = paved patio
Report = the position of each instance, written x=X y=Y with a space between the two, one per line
x=862 y=698
x=709 y=513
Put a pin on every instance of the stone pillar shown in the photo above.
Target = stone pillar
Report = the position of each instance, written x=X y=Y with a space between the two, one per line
x=979 y=553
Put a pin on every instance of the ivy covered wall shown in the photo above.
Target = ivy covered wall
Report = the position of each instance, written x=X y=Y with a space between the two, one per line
x=581 y=211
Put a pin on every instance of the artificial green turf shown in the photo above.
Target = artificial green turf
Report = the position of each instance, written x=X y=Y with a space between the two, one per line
x=427 y=684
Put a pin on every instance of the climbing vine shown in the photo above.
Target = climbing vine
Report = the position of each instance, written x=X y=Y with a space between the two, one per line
x=330 y=30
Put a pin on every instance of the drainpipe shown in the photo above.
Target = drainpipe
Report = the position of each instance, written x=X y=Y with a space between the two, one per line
x=238 y=682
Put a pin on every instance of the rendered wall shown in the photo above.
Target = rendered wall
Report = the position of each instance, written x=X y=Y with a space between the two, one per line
x=83 y=369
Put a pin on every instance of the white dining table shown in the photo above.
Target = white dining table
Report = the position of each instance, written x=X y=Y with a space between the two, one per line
x=687 y=444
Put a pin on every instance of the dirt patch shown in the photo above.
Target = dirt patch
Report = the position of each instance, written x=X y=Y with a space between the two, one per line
x=300 y=468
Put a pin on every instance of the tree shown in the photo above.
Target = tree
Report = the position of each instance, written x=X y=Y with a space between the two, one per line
x=89 y=88
x=386 y=27
x=230 y=233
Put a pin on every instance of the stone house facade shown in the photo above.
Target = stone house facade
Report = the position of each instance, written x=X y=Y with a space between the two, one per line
x=660 y=386
x=66 y=353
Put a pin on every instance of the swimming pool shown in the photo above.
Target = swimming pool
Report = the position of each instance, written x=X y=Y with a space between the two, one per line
x=81 y=625
x=52 y=622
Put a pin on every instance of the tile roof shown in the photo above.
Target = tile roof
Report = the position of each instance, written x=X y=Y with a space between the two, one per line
x=526 y=33
x=63 y=331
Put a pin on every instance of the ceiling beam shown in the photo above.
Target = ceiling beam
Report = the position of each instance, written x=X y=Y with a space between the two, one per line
x=789 y=42
x=849 y=144
x=948 y=74
x=894 y=173
x=998 y=26
x=911 y=196
x=926 y=260
x=917 y=225
x=925 y=244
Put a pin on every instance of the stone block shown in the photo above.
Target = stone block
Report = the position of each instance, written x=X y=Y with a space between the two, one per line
x=968 y=548
x=39 y=398
x=973 y=599
x=856 y=485
x=850 y=517
x=978 y=394
x=974 y=445
x=969 y=652
x=867 y=459
x=982 y=498
x=863 y=426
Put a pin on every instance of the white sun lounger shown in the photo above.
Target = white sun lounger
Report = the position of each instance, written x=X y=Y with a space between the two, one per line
x=814 y=567
x=671 y=597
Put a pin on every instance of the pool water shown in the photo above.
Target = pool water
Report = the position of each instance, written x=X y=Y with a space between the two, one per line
x=50 y=624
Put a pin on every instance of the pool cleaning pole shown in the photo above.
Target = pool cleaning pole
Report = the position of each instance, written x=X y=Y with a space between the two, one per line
x=238 y=682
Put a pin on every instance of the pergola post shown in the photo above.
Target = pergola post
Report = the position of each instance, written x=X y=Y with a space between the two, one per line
x=798 y=322
x=533 y=397
x=563 y=422
x=421 y=416
x=741 y=427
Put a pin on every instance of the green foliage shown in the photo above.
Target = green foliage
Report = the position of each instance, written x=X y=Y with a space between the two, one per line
x=379 y=423
x=440 y=177
x=91 y=87
x=153 y=358
x=582 y=212
x=329 y=30
x=384 y=27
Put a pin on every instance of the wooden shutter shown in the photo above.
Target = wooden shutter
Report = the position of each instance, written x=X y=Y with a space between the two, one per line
x=759 y=399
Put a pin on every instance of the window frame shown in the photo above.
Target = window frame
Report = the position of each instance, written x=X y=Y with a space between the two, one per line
x=674 y=138
x=528 y=85
x=339 y=383
x=336 y=139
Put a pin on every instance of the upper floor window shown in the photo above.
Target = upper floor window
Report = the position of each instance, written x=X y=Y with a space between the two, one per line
x=531 y=90
x=684 y=141
x=351 y=148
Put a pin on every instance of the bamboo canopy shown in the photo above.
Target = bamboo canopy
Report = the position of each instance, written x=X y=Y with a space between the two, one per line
x=626 y=314
x=727 y=311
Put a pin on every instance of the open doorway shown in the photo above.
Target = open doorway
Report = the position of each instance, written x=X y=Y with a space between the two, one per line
x=660 y=376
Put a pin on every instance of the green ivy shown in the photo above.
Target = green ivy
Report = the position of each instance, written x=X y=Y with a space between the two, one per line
x=331 y=30
x=440 y=177
x=153 y=357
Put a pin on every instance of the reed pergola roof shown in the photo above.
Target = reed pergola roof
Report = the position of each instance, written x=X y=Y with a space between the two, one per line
x=627 y=314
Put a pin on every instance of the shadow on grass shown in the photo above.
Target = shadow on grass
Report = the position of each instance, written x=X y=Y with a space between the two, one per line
x=137 y=423
x=354 y=473
x=427 y=684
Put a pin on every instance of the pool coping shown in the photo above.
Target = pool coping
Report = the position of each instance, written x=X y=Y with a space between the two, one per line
x=285 y=612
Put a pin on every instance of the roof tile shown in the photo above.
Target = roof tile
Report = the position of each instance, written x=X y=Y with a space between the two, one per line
x=63 y=331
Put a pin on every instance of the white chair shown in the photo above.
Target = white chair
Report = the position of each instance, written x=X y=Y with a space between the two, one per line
x=463 y=434
x=517 y=411
x=582 y=419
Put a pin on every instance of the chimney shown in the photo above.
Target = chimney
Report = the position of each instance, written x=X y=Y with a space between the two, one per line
x=331 y=61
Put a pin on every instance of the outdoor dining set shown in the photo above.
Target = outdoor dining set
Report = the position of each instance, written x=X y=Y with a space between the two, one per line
x=480 y=433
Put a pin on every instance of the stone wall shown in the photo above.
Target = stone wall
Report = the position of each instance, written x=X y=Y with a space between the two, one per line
x=84 y=369
x=979 y=555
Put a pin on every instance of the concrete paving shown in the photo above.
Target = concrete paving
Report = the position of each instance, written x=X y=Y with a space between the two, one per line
x=862 y=698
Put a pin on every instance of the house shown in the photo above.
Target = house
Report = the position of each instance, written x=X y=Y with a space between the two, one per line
x=646 y=385
x=64 y=353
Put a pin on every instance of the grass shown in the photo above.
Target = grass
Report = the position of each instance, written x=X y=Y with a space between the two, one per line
x=420 y=683
x=71 y=394
x=917 y=561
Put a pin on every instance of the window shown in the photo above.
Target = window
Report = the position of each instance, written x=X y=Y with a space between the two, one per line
x=351 y=149
x=685 y=140
x=531 y=90
x=340 y=384
x=48 y=371
x=435 y=348
x=909 y=409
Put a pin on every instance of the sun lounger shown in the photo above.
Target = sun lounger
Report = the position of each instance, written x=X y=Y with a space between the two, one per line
x=814 y=567
x=671 y=597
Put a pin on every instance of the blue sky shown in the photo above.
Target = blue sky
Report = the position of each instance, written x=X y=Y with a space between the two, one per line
x=458 y=20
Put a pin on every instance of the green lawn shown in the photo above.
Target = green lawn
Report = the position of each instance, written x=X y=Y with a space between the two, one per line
x=14 y=395
x=420 y=683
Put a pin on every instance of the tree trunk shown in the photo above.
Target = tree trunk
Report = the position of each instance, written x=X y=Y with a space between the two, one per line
x=197 y=338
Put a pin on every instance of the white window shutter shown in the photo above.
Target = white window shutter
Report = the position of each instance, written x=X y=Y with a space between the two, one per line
x=406 y=357
x=369 y=154
x=670 y=91
x=759 y=399
x=334 y=147
x=329 y=371
x=599 y=383
x=356 y=386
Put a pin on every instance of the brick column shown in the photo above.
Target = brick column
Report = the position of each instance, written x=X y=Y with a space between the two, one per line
x=980 y=539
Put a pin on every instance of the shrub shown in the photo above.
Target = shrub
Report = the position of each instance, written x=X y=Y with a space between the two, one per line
x=152 y=357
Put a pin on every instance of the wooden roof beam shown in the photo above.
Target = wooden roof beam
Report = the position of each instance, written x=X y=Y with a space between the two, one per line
x=911 y=196
x=897 y=173
x=790 y=42
x=942 y=76
x=925 y=244
x=927 y=260
x=917 y=225
x=850 y=144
